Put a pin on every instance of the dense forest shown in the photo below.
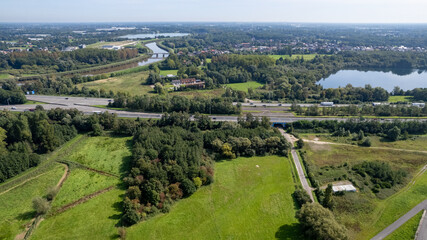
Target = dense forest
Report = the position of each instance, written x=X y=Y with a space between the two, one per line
x=175 y=156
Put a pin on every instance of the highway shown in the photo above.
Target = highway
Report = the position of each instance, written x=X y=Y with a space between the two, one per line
x=86 y=106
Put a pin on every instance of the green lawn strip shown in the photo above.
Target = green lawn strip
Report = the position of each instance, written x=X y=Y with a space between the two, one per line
x=16 y=205
x=244 y=86
x=244 y=202
x=407 y=230
x=33 y=102
x=5 y=76
x=79 y=184
x=109 y=154
x=94 y=219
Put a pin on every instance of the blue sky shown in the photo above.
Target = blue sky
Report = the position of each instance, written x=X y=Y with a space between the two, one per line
x=331 y=11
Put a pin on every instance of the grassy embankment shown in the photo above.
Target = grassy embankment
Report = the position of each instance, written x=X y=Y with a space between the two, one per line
x=407 y=230
x=364 y=213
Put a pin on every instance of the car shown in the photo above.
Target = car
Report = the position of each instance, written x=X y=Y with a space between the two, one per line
x=264 y=105
x=13 y=108
x=280 y=105
x=251 y=103
x=66 y=98
x=214 y=118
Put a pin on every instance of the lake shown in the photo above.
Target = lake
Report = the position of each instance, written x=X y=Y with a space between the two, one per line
x=387 y=79
x=153 y=35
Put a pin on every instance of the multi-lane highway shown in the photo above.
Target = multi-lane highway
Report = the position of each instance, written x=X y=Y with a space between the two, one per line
x=86 y=105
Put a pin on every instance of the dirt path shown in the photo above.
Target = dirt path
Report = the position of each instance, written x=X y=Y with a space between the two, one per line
x=28 y=225
x=382 y=148
x=82 y=200
x=29 y=179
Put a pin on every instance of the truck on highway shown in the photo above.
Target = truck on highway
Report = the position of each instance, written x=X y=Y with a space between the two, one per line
x=327 y=104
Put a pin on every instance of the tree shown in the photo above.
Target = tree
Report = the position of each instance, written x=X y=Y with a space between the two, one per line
x=327 y=200
x=301 y=196
x=2 y=141
x=97 y=129
x=158 y=88
x=300 y=143
x=366 y=142
x=41 y=205
x=52 y=192
x=187 y=187
x=319 y=223
x=394 y=133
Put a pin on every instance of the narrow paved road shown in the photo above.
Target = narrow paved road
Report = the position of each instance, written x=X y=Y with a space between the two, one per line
x=298 y=165
x=422 y=228
x=399 y=222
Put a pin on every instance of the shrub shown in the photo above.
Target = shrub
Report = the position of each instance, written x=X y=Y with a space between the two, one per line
x=187 y=187
x=122 y=233
x=41 y=205
x=51 y=193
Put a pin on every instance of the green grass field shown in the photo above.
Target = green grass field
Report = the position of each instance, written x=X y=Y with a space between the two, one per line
x=133 y=84
x=166 y=72
x=244 y=202
x=244 y=86
x=81 y=183
x=109 y=154
x=94 y=219
x=393 y=99
x=5 y=76
x=407 y=230
x=16 y=205
x=295 y=56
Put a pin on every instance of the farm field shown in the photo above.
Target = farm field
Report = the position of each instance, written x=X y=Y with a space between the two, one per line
x=407 y=230
x=130 y=83
x=16 y=204
x=244 y=202
x=295 y=56
x=364 y=213
x=5 y=75
x=244 y=86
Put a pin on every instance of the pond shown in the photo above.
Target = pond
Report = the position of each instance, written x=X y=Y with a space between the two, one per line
x=153 y=35
x=406 y=79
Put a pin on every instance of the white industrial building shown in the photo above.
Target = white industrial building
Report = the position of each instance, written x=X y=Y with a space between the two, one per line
x=344 y=188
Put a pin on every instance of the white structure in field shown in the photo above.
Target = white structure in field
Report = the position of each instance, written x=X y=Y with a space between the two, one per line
x=343 y=188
